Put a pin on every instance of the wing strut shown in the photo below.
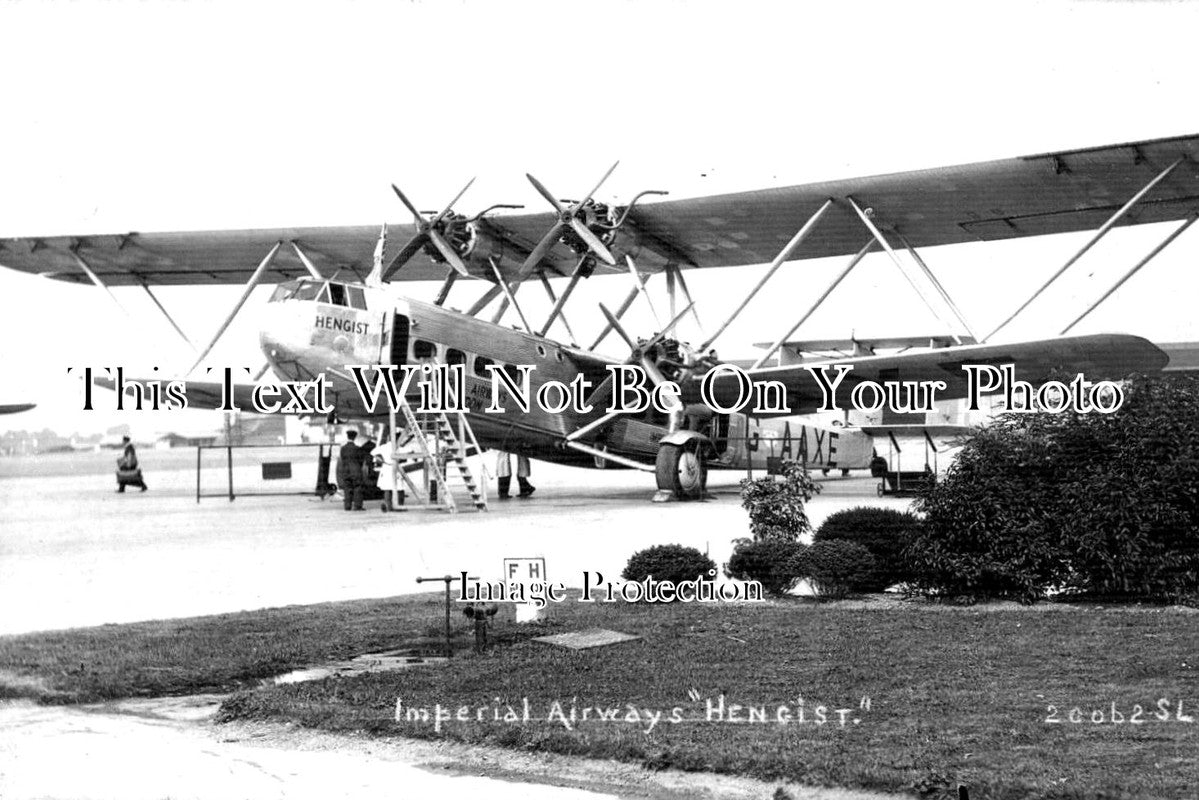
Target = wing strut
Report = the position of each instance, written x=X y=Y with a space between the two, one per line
x=482 y=302
x=639 y=284
x=853 y=262
x=620 y=311
x=677 y=271
x=91 y=274
x=549 y=290
x=560 y=303
x=936 y=284
x=1152 y=254
x=241 y=301
x=1099 y=234
x=451 y=275
x=509 y=297
x=882 y=240
x=783 y=255
x=87 y=270
x=170 y=319
x=307 y=262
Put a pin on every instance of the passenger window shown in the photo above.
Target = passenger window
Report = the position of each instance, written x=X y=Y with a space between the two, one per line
x=453 y=356
x=357 y=297
x=337 y=294
x=423 y=349
x=481 y=364
x=513 y=372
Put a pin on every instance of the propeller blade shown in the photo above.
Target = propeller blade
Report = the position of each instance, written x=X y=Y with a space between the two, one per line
x=539 y=251
x=419 y=217
x=450 y=207
x=640 y=284
x=595 y=188
x=616 y=326
x=450 y=254
x=545 y=193
x=593 y=242
x=406 y=252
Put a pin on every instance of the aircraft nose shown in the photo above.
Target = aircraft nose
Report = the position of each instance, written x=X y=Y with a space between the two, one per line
x=283 y=334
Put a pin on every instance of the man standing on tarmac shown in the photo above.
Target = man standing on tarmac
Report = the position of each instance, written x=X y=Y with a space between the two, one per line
x=349 y=472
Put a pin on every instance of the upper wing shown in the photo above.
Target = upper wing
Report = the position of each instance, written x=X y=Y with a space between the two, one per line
x=1005 y=199
x=1027 y=196
x=1098 y=357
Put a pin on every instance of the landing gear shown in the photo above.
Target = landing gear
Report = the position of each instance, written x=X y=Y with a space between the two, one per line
x=681 y=472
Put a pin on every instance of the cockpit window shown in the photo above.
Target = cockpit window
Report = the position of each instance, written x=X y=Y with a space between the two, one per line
x=308 y=290
x=357 y=297
x=337 y=294
x=284 y=291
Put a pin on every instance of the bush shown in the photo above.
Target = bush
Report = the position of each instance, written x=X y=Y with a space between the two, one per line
x=885 y=532
x=776 y=503
x=837 y=568
x=669 y=562
x=1091 y=503
x=772 y=563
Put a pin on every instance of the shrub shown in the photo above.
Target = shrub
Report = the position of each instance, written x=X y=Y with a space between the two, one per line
x=669 y=562
x=776 y=503
x=771 y=562
x=885 y=532
x=1093 y=503
x=837 y=568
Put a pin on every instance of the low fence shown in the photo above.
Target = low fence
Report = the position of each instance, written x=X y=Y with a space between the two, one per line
x=265 y=470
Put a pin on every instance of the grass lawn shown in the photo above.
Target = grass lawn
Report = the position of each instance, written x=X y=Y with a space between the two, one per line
x=956 y=695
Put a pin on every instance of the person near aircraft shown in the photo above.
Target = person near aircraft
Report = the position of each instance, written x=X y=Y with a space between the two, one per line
x=370 y=475
x=503 y=471
x=349 y=472
x=129 y=473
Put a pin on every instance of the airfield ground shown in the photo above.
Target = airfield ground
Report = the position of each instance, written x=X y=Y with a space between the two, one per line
x=74 y=552
x=955 y=693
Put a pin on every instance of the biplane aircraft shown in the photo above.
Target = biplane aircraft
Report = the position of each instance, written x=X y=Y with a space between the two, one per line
x=319 y=320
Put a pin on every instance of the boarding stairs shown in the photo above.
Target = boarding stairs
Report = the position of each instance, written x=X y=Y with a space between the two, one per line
x=443 y=442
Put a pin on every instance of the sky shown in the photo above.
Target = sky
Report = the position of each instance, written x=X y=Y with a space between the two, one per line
x=138 y=116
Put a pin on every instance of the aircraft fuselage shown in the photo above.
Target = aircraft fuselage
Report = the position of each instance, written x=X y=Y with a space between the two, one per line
x=314 y=327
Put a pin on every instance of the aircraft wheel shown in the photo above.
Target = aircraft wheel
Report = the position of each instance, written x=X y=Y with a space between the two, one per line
x=680 y=470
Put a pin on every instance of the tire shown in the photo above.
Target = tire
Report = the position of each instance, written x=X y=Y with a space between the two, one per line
x=680 y=470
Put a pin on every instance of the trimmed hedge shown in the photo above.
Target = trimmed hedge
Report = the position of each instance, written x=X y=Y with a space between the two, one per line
x=771 y=562
x=669 y=562
x=837 y=568
x=885 y=532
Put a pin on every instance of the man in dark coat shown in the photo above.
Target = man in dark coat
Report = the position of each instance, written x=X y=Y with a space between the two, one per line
x=129 y=473
x=349 y=472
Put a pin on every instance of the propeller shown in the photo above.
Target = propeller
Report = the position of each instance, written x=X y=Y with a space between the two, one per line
x=426 y=232
x=636 y=355
x=568 y=217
